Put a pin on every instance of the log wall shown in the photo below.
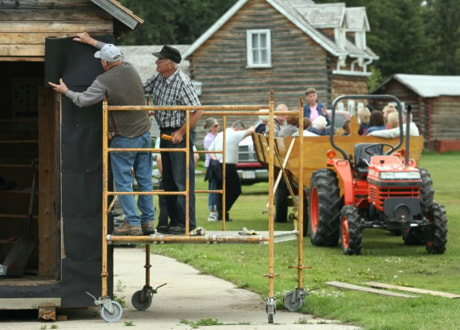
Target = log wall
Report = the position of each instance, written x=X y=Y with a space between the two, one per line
x=25 y=24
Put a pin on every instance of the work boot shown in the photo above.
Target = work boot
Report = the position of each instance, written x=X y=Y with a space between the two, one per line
x=147 y=228
x=176 y=230
x=127 y=230
x=163 y=229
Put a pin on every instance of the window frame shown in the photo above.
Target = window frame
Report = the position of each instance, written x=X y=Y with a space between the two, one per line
x=250 y=48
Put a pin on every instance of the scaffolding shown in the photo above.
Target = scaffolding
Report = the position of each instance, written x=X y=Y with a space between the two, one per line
x=110 y=310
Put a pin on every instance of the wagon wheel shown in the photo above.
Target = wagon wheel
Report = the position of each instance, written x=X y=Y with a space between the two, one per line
x=324 y=208
x=413 y=236
x=351 y=231
x=114 y=315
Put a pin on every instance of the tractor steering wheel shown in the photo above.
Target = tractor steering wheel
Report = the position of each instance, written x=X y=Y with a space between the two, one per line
x=370 y=152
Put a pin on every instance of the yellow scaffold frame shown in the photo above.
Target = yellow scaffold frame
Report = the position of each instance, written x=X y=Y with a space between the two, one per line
x=111 y=311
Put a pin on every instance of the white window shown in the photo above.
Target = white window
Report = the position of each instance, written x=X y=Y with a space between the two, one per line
x=258 y=45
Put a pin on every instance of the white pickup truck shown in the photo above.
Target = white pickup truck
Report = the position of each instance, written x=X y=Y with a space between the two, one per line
x=250 y=170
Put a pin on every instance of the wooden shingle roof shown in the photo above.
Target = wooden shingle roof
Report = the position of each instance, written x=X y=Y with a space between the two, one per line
x=356 y=19
x=323 y=16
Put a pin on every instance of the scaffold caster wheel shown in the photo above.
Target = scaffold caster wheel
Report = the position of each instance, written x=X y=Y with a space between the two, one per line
x=270 y=307
x=142 y=299
x=293 y=300
x=111 y=313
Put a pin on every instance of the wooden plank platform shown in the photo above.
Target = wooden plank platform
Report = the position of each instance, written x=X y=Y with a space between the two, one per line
x=210 y=237
x=414 y=290
x=348 y=286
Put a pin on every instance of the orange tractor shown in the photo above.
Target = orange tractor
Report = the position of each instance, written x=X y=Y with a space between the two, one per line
x=374 y=188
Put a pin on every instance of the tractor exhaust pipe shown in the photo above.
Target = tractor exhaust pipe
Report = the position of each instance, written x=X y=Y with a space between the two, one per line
x=408 y=119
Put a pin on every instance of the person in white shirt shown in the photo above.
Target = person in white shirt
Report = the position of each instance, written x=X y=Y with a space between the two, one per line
x=395 y=132
x=233 y=137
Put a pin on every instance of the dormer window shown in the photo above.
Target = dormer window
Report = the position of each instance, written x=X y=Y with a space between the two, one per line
x=258 y=46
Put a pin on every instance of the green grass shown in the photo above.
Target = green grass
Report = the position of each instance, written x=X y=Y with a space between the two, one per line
x=384 y=259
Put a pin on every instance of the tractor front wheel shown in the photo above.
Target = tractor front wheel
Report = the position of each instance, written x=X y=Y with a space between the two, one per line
x=324 y=208
x=351 y=231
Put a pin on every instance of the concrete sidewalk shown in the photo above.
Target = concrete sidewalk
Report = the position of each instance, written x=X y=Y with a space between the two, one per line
x=187 y=296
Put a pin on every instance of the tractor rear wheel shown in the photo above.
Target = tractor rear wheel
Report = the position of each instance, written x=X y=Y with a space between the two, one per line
x=427 y=192
x=437 y=237
x=416 y=236
x=324 y=208
x=351 y=231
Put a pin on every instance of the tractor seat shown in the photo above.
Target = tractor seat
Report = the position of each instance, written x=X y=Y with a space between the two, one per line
x=362 y=158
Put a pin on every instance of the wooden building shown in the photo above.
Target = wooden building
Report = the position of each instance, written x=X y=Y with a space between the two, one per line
x=435 y=103
x=284 y=45
x=35 y=127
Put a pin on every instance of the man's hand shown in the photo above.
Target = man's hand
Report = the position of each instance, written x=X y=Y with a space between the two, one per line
x=177 y=136
x=85 y=38
x=60 y=88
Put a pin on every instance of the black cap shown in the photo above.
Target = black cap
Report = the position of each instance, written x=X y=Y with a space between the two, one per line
x=170 y=53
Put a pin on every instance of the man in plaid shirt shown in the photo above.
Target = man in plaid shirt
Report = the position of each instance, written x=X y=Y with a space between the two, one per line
x=169 y=86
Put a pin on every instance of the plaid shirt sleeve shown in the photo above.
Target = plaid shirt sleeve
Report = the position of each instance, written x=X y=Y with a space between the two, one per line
x=148 y=85
x=189 y=95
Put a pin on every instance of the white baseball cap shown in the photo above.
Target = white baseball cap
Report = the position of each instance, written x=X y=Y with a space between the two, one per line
x=109 y=53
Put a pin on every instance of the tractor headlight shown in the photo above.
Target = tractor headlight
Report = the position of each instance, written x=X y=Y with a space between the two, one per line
x=400 y=176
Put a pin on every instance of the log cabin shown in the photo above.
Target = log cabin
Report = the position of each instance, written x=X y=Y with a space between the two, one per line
x=43 y=138
x=286 y=46
x=435 y=102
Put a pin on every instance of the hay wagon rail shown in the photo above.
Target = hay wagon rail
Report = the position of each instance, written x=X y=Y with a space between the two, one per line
x=315 y=148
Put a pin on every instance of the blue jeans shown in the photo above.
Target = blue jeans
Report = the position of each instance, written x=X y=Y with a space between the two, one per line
x=123 y=163
x=174 y=180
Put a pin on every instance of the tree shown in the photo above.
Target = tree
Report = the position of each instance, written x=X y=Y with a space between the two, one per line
x=444 y=29
x=409 y=36
x=398 y=36
x=173 y=21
